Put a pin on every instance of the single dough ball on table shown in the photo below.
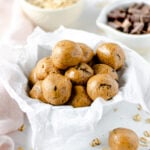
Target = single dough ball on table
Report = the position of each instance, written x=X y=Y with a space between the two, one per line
x=111 y=54
x=36 y=91
x=44 y=67
x=88 y=53
x=105 y=69
x=123 y=139
x=66 y=54
x=80 y=73
x=56 y=89
x=79 y=97
x=33 y=77
x=102 y=85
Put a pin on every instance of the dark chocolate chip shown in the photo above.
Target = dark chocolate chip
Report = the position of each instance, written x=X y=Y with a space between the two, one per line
x=145 y=9
x=134 y=11
x=140 y=6
x=55 y=88
x=137 y=28
x=118 y=56
x=116 y=14
x=105 y=85
x=148 y=28
x=145 y=18
x=82 y=68
x=135 y=19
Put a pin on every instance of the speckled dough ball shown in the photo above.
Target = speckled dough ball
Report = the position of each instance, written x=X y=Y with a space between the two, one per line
x=111 y=54
x=88 y=53
x=56 y=89
x=102 y=85
x=79 y=97
x=105 y=69
x=44 y=67
x=36 y=91
x=66 y=54
x=123 y=139
x=80 y=73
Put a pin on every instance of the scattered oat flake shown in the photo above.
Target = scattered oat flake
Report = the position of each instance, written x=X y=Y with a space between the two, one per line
x=20 y=148
x=137 y=117
x=21 y=129
x=139 y=107
x=95 y=142
x=144 y=140
x=115 y=109
x=148 y=120
x=147 y=133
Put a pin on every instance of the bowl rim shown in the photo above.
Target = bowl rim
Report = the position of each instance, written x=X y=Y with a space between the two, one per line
x=36 y=8
x=101 y=24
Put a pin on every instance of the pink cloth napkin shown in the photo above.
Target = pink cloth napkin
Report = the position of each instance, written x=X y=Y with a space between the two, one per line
x=20 y=26
x=6 y=143
x=11 y=117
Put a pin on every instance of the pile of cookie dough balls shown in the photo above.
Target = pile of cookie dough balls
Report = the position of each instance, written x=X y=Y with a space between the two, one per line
x=74 y=75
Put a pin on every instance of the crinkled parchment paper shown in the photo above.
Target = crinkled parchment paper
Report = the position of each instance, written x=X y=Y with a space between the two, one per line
x=63 y=127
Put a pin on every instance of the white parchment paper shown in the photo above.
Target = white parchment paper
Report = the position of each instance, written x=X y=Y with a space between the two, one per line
x=54 y=126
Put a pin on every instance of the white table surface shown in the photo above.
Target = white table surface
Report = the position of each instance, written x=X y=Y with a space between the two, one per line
x=85 y=22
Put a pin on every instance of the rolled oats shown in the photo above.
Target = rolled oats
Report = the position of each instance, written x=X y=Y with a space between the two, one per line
x=95 y=142
x=147 y=133
x=147 y=120
x=54 y=4
x=115 y=109
x=137 y=117
x=139 y=107
x=143 y=140
x=21 y=129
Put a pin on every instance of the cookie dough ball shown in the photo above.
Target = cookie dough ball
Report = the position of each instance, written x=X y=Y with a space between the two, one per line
x=66 y=54
x=88 y=53
x=102 y=85
x=56 y=89
x=36 y=91
x=33 y=77
x=80 y=73
x=105 y=69
x=111 y=54
x=79 y=97
x=44 y=67
x=123 y=139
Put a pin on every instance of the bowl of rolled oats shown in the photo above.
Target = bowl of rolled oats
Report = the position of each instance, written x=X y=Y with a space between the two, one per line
x=50 y=14
x=128 y=22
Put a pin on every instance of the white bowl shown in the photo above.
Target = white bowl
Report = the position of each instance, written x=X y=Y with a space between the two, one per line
x=50 y=19
x=140 y=43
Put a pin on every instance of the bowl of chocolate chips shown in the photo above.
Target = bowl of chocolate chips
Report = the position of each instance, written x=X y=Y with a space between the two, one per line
x=128 y=22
